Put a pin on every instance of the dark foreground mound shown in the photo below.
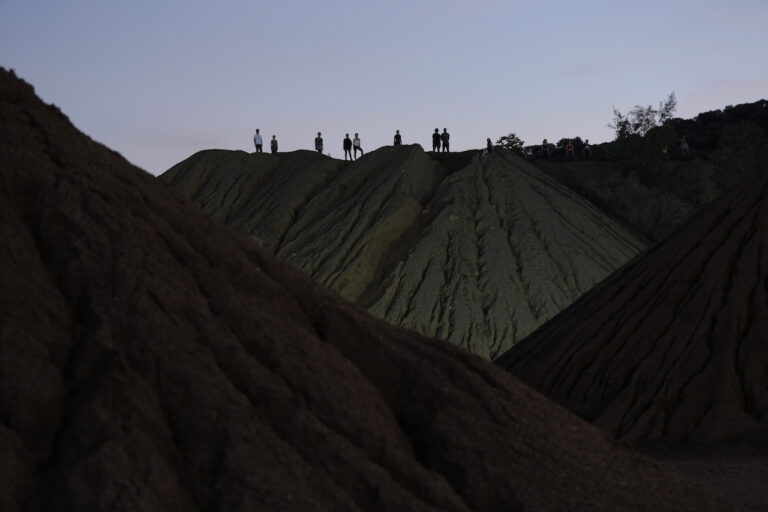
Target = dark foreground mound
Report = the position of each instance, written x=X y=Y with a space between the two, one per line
x=674 y=347
x=150 y=360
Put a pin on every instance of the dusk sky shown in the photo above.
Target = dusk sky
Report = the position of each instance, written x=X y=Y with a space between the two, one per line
x=159 y=80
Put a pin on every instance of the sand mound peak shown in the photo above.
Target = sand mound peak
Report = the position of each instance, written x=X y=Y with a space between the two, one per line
x=475 y=250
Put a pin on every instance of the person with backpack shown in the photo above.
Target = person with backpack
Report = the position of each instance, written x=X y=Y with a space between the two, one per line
x=445 y=137
x=398 y=138
x=587 y=150
x=273 y=144
x=347 y=145
x=436 y=140
x=319 y=143
x=257 y=141
x=357 y=146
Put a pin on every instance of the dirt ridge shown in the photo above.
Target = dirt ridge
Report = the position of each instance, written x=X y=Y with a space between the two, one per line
x=671 y=348
x=478 y=250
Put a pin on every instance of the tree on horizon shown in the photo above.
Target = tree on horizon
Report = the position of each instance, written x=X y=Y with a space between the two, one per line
x=512 y=143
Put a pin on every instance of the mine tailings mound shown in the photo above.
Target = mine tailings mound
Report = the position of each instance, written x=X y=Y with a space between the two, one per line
x=153 y=360
x=671 y=351
x=478 y=250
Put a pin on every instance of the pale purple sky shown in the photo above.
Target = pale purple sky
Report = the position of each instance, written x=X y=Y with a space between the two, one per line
x=160 y=80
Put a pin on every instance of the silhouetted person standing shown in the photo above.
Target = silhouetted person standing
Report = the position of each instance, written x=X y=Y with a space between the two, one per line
x=446 y=138
x=347 y=147
x=257 y=141
x=545 y=149
x=273 y=145
x=436 y=140
x=398 y=138
x=357 y=146
x=685 y=150
x=489 y=145
x=569 y=150
x=319 y=143
x=587 y=150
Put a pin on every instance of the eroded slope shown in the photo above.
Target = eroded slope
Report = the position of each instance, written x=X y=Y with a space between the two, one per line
x=476 y=250
x=673 y=347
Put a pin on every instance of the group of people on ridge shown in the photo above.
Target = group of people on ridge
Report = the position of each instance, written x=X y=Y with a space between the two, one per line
x=569 y=150
x=259 y=144
x=349 y=145
x=438 y=137
x=685 y=149
x=352 y=146
x=440 y=141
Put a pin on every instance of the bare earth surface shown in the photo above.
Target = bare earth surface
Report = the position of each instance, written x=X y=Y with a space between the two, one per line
x=475 y=250
x=152 y=360
x=652 y=210
x=672 y=350
x=735 y=469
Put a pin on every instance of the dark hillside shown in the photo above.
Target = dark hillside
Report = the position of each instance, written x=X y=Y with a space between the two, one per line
x=652 y=196
x=672 y=347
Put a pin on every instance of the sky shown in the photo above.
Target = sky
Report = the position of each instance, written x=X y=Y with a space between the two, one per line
x=160 y=80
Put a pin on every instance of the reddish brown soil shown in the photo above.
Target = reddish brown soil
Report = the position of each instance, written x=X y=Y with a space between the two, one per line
x=152 y=360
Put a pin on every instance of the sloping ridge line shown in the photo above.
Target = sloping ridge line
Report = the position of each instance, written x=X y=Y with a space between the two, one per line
x=672 y=347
